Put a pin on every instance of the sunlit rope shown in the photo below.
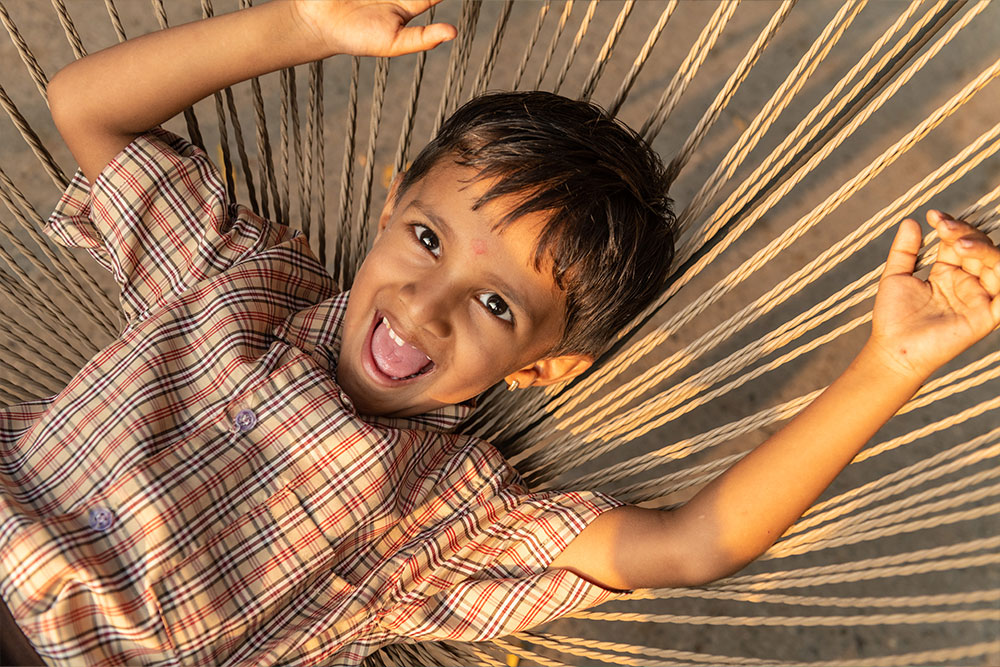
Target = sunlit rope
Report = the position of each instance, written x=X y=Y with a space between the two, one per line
x=943 y=489
x=662 y=333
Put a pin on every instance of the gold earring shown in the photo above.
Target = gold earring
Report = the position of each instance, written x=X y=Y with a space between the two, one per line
x=512 y=386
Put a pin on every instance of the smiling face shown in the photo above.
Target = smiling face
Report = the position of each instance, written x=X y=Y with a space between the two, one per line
x=447 y=304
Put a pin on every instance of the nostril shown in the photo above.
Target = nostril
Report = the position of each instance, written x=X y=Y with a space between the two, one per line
x=440 y=328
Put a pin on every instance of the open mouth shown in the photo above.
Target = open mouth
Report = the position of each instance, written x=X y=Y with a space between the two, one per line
x=390 y=358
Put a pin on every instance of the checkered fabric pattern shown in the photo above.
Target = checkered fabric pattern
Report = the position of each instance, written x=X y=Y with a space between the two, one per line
x=202 y=492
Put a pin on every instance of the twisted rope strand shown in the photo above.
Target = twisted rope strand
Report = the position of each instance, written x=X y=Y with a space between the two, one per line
x=490 y=57
x=575 y=45
x=344 y=232
x=406 y=130
x=640 y=60
x=688 y=69
x=90 y=300
x=378 y=99
x=54 y=171
x=724 y=96
x=27 y=57
x=553 y=43
x=590 y=83
x=786 y=238
x=542 y=13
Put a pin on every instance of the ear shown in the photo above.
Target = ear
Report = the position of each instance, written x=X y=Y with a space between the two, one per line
x=551 y=370
x=390 y=204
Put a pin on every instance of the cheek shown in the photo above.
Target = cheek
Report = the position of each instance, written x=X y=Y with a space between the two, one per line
x=485 y=355
x=380 y=265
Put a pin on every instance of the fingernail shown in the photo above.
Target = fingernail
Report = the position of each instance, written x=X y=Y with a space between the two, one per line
x=966 y=243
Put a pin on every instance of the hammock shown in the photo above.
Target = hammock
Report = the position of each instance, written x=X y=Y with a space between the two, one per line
x=799 y=136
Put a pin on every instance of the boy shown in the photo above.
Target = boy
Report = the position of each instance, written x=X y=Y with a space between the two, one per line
x=254 y=471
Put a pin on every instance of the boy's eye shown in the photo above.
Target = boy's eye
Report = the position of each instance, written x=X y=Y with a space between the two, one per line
x=496 y=305
x=428 y=239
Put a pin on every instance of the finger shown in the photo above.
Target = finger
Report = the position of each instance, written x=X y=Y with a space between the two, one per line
x=982 y=259
x=980 y=247
x=418 y=6
x=951 y=228
x=973 y=254
x=422 y=38
x=949 y=231
x=990 y=280
x=903 y=252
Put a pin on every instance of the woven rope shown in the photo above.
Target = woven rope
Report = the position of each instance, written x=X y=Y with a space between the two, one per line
x=70 y=275
x=650 y=342
x=791 y=329
x=27 y=57
x=44 y=157
x=790 y=87
x=116 y=20
x=590 y=83
x=686 y=448
x=555 y=434
x=785 y=240
x=542 y=13
x=797 y=621
x=553 y=43
x=492 y=50
x=575 y=45
x=725 y=95
x=688 y=69
x=378 y=98
x=318 y=159
x=640 y=60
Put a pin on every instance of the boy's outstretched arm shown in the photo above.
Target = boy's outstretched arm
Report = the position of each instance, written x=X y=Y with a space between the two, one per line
x=101 y=102
x=917 y=327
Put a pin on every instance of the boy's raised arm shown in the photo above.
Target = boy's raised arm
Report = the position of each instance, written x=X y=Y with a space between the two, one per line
x=101 y=102
x=917 y=327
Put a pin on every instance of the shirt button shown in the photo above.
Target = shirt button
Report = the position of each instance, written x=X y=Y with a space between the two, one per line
x=245 y=420
x=101 y=519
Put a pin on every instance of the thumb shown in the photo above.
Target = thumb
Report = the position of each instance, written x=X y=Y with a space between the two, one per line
x=422 y=38
x=902 y=258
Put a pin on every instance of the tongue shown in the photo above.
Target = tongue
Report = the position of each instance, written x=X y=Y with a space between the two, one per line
x=396 y=361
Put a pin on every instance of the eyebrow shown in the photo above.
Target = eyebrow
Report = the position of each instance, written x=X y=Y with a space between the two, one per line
x=514 y=295
x=434 y=217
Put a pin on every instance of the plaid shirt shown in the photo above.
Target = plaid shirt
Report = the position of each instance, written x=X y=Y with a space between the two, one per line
x=202 y=492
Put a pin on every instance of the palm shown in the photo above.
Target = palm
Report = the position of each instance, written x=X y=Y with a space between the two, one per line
x=372 y=27
x=932 y=321
x=924 y=324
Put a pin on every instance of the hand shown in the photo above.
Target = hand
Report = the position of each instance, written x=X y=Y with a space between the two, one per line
x=371 y=27
x=920 y=325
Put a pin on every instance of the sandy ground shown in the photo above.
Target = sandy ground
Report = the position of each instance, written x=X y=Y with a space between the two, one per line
x=861 y=636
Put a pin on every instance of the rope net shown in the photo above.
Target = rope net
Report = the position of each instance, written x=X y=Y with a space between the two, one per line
x=798 y=137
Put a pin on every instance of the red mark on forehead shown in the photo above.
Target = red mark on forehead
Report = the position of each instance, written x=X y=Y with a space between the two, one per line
x=479 y=246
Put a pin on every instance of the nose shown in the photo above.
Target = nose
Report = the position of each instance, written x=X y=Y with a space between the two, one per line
x=429 y=304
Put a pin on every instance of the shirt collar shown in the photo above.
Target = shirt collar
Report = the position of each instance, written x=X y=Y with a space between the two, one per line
x=318 y=329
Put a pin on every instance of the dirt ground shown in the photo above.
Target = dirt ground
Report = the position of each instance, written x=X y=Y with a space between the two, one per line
x=862 y=633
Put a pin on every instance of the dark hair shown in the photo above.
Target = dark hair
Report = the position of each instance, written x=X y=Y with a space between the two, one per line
x=610 y=234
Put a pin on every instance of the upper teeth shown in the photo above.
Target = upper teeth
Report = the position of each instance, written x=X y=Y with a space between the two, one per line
x=392 y=334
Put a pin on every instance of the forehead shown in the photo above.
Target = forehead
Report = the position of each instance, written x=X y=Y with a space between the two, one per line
x=449 y=196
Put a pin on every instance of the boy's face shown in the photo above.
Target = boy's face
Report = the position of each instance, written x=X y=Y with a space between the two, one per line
x=446 y=305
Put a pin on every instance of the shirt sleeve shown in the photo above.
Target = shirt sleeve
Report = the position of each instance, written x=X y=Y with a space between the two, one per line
x=157 y=217
x=516 y=590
